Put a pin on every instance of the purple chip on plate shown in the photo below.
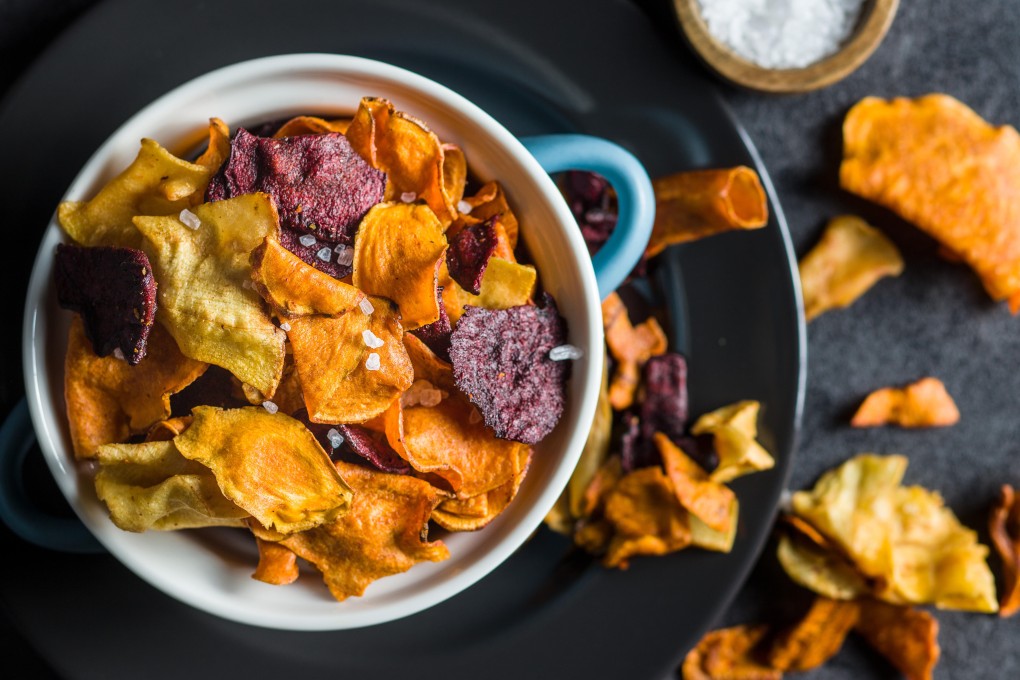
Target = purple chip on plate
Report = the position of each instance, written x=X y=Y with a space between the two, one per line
x=469 y=253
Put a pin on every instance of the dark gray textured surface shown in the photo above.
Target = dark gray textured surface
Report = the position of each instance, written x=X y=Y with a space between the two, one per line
x=933 y=320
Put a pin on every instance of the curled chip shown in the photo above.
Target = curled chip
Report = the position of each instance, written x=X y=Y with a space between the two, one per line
x=729 y=654
x=940 y=166
x=646 y=517
x=501 y=361
x=903 y=538
x=384 y=533
x=709 y=501
x=205 y=296
x=819 y=567
x=594 y=454
x=319 y=184
x=156 y=183
x=268 y=464
x=734 y=429
x=472 y=514
x=469 y=253
x=850 y=258
x=695 y=204
x=114 y=291
x=108 y=400
x=907 y=637
x=505 y=284
x=631 y=346
x=1004 y=528
x=816 y=637
x=277 y=565
x=152 y=486
x=217 y=149
x=292 y=287
x=925 y=403
x=397 y=254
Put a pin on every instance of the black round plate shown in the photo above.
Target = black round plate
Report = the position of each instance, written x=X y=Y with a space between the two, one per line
x=577 y=65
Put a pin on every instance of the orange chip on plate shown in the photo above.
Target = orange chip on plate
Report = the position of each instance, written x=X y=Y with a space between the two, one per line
x=849 y=259
x=277 y=564
x=205 y=296
x=397 y=253
x=108 y=400
x=698 y=203
x=384 y=533
x=1004 y=528
x=293 y=287
x=907 y=637
x=631 y=346
x=217 y=149
x=647 y=518
x=709 y=501
x=925 y=403
x=156 y=183
x=939 y=165
x=728 y=654
x=268 y=464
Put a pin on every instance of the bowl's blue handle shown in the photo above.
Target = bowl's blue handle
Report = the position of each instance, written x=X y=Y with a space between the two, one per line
x=17 y=510
x=635 y=200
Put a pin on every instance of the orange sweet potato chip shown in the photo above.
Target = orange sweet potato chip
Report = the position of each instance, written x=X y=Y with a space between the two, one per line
x=816 y=637
x=939 y=165
x=269 y=464
x=109 y=400
x=384 y=533
x=293 y=287
x=907 y=637
x=397 y=253
x=728 y=654
x=709 y=501
x=217 y=149
x=455 y=514
x=311 y=125
x=646 y=517
x=1004 y=528
x=631 y=346
x=925 y=403
x=846 y=262
x=698 y=203
x=427 y=364
x=277 y=564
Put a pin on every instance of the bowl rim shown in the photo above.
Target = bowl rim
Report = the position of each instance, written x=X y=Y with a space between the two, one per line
x=584 y=390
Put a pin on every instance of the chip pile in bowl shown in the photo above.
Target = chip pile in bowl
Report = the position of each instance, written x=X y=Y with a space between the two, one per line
x=310 y=332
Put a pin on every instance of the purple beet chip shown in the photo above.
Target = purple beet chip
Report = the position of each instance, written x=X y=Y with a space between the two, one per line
x=335 y=259
x=380 y=454
x=593 y=206
x=320 y=185
x=664 y=407
x=114 y=292
x=436 y=335
x=501 y=362
x=469 y=254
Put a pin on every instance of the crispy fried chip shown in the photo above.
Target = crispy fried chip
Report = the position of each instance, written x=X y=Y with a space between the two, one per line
x=708 y=500
x=820 y=569
x=734 y=429
x=1004 y=528
x=728 y=654
x=396 y=255
x=631 y=346
x=409 y=153
x=707 y=538
x=907 y=637
x=662 y=407
x=203 y=299
x=152 y=486
x=816 y=638
x=903 y=537
x=156 y=183
x=384 y=533
x=472 y=514
x=925 y=403
x=293 y=287
x=647 y=518
x=109 y=400
x=218 y=147
x=939 y=165
x=850 y=258
x=488 y=202
x=345 y=380
x=268 y=464
x=277 y=564
x=698 y=203
x=469 y=253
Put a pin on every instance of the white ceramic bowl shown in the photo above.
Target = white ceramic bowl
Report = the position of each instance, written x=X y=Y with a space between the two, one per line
x=211 y=569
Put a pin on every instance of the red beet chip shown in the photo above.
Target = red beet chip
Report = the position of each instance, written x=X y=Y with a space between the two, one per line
x=323 y=255
x=501 y=362
x=634 y=450
x=357 y=440
x=321 y=186
x=664 y=407
x=114 y=292
x=469 y=253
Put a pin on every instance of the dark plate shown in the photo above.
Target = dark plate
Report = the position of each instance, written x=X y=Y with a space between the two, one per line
x=575 y=65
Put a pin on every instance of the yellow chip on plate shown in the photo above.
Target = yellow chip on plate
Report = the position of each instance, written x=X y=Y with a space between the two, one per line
x=734 y=429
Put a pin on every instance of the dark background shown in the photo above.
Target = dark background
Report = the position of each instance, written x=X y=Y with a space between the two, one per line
x=935 y=319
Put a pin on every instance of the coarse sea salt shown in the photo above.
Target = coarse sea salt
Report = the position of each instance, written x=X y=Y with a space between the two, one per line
x=335 y=438
x=344 y=255
x=324 y=254
x=285 y=326
x=373 y=363
x=270 y=406
x=366 y=306
x=782 y=33
x=464 y=208
x=119 y=353
x=408 y=196
x=371 y=339
x=189 y=219
x=307 y=240
x=565 y=353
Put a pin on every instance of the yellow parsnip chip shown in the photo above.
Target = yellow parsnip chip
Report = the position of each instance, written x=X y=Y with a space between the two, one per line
x=925 y=403
x=203 y=299
x=734 y=429
x=851 y=257
x=268 y=464
x=505 y=284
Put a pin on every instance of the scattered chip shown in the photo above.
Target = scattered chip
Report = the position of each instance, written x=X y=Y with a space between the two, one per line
x=925 y=403
x=631 y=346
x=816 y=637
x=907 y=637
x=850 y=258
x=469 y=253
x=593 y=204
x=114 y=291
x=501 y=361
x=663 y=406
x=820 y=568
x=729 y=654
x=1004 y=529
x=940 y=166
x=699 y=203
x=734 y=429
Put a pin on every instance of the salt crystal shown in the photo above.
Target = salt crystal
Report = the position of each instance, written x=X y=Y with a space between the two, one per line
x=247 y=284
x=270 y=406
x=307 y=240
x=189 y=219
x=119 y=353
x=565 y=352
x=324 y=254
x=408 y=196
x=285 y=326
x=344 y=255
x=335 y=438
x=373 y=363
x=464 y=208
x=366 y=306
x=371 y=339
